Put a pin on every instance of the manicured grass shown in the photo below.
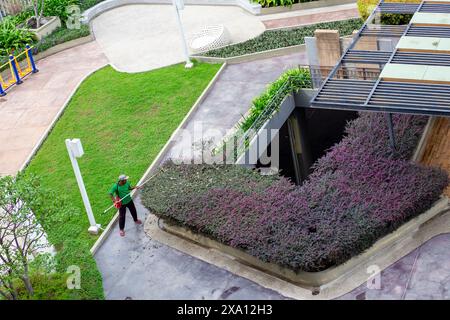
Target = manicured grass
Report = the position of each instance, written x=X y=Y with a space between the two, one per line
x=123 y=121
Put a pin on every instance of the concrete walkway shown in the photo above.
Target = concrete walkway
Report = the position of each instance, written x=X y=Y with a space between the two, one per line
x=138 y=38
x=27 y=110
x=141 y=268
x=424 y=274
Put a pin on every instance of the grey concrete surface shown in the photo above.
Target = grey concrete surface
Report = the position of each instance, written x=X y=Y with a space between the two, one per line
x=141 y=268
x=229 y=99
x=138 y=38
x=424 y=274
x=137 y=267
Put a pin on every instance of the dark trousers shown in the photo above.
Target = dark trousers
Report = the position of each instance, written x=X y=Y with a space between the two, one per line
x=123 y=212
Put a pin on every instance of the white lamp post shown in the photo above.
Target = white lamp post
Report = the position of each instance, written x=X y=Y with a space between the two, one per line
x=75 y=150
x=178 y=6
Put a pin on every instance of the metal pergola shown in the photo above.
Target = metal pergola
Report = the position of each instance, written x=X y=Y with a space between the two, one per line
x=383 y=95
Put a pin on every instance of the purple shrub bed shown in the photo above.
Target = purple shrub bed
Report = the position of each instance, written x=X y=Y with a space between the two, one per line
x=359 y=192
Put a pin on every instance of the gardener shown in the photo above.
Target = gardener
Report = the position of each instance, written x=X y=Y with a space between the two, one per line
x=123 y=201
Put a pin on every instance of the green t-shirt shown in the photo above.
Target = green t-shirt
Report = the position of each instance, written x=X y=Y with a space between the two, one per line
x=121 y=191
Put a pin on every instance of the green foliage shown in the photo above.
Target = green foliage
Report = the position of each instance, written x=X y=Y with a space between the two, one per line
x=21 y=17
x=123 y=121
x=86 y=4
x=365 y=8
x=46 y=287
x=274 y=39
x=291 y=81
x=278 y=3
x=12 y=38
x=26 y=208
x=61 y=35
x=58 y=8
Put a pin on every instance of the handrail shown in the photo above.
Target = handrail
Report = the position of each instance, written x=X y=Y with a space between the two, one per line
x=264 y=116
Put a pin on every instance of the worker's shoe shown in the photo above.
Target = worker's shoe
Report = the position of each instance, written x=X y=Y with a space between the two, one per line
x=138 y=221
x=122 y=233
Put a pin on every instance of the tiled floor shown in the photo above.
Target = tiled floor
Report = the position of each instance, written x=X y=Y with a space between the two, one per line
x=28 y=110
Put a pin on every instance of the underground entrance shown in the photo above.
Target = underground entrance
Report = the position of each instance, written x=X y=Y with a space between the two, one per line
x=305 y=137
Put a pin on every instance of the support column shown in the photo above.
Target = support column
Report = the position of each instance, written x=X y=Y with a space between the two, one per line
x=294 y=149
x=391 y=131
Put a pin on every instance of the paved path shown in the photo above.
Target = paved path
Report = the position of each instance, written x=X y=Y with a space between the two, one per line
x=138 y=38
x=28 y=109
x=141 y=268
x=423 y=274
x=311 y=16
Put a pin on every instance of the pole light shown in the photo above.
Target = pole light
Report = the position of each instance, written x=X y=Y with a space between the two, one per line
x=75 y=150
x=178 y=6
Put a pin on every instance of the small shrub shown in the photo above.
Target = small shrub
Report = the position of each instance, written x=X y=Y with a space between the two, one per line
x=12 y=38
x=358 y=192
x=61 y=35
x=365 y=8
x=278 y=3
x=58 y=8
x=47 y=287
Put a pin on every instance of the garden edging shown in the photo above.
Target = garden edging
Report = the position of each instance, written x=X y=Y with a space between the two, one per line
x=253 y=56
x=159 y=158
x=332 y=282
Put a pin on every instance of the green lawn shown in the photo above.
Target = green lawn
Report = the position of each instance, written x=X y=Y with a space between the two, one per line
x=123 y=121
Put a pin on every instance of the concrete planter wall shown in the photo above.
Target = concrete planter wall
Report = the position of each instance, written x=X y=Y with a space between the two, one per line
x=257 y=147
x=52 y=24
x=383 y=253
x=104 y=6
x=305 y=6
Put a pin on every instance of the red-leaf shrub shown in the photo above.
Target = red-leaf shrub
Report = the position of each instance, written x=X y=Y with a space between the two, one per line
x=358 y=193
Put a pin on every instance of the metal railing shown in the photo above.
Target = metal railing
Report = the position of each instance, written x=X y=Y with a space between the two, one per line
x=241 y=140
x=319 y=74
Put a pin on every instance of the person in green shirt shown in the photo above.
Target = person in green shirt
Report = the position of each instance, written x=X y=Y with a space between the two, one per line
x=122 y=189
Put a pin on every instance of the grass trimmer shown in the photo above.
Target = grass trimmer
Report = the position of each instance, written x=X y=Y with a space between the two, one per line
x=118 y=201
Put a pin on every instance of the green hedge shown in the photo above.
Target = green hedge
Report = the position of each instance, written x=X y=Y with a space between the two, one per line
x=274 y=39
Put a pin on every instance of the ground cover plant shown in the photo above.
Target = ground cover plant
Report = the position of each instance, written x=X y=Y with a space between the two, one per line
x=274 y=39
x=278 y=3
x=123 y=121
x=358 y=192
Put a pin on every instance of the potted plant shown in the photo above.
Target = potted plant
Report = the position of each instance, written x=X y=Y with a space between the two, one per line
x=40 y=25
